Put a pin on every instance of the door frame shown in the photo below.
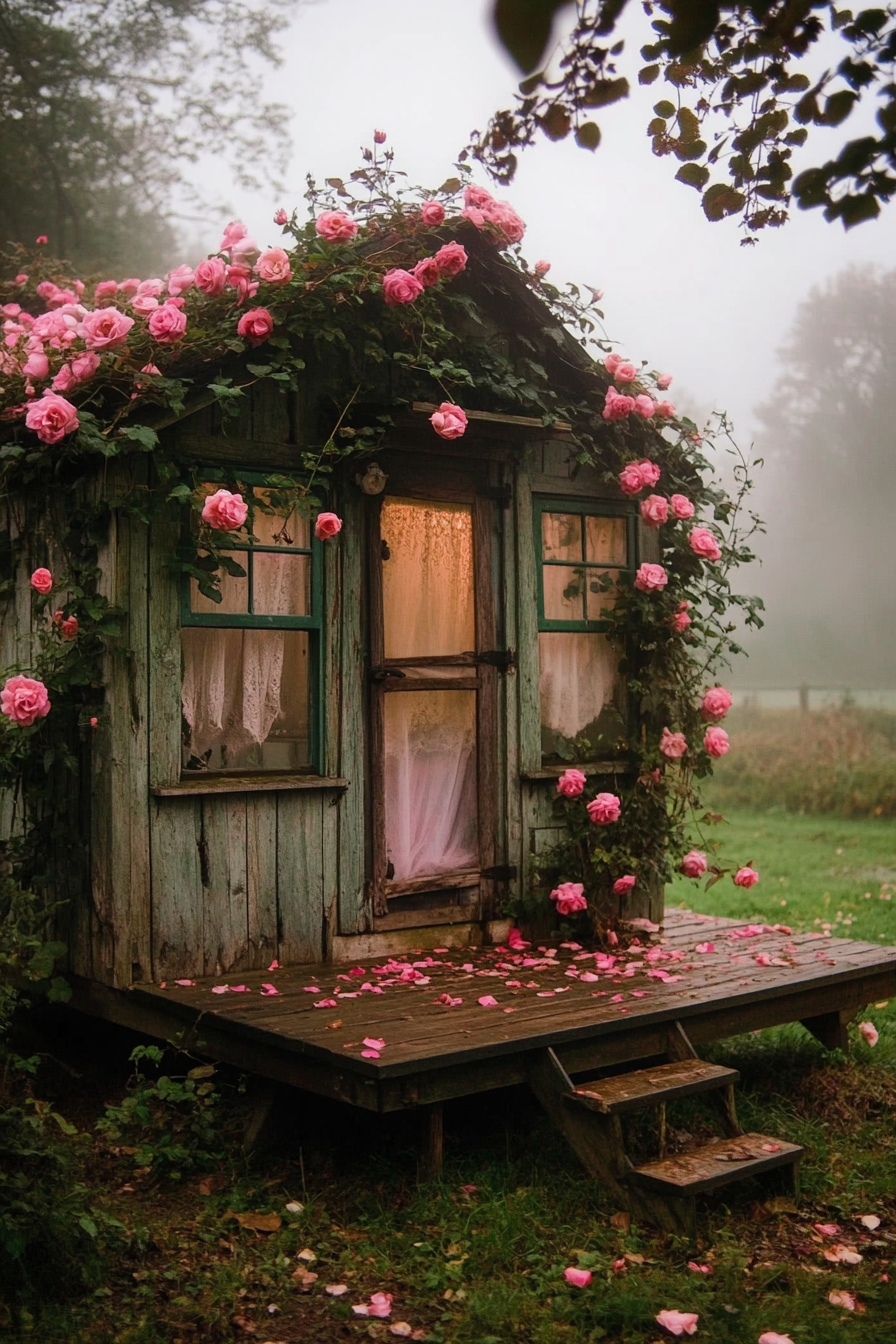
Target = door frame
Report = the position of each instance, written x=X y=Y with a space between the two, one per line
x=474 y=673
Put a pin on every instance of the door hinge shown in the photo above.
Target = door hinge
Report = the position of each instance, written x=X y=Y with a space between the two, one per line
x=502 y=659
x=502 y=872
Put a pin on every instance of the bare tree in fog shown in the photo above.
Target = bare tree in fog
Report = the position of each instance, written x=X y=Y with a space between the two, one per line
x=828 y=440
x=104 y=102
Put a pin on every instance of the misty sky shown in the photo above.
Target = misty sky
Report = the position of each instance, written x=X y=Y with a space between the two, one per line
x=677 y=290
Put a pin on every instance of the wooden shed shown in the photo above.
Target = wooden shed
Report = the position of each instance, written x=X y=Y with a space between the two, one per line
x=356 y=751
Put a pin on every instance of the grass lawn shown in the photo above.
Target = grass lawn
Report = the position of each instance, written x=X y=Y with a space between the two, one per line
x=478 y=1258
x=812 y=871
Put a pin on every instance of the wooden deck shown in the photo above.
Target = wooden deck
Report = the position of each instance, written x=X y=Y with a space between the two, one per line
x=311 y=1032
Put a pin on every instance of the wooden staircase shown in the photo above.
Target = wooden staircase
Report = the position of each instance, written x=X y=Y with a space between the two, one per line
x=662 y=1191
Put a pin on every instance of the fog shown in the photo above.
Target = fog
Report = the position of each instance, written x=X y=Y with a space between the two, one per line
x=677 y=290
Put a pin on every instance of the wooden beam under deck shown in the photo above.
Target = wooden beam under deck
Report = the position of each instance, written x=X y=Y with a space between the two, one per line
x=434 y=1053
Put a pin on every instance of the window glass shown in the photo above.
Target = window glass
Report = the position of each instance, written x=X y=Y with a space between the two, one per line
x=561 y=536
x=580 y=695
x=427 y=579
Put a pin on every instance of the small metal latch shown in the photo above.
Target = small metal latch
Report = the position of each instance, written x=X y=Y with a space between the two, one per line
x=502 y=659
x=381 y=673
x=505 y=872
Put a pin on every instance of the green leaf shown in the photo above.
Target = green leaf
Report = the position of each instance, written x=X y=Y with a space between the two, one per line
x=693 y=175
x=693 y=149
x=838 y=107
x=664 y=108
x=524 y=28
x=181 y=491
x=606 y=91
x=142 y=434
x=588 y=135
x=721 y=200
x=856 y=209
x=688 y=124
x=649 y=74
x=260 y=370
x=230 y=566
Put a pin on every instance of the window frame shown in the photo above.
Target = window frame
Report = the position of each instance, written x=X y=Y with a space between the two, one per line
x=593 y=508
x=313 y=622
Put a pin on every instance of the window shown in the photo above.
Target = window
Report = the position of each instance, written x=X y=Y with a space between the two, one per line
x=251 y=661
x=580 y=554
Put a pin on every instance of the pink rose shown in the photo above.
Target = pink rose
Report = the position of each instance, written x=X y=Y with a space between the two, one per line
x=210 y=276
x=129 y=287
x=433 y=214
x=326 y=525
x=273 y=266
x=578 y=1278
x=235 y=230
x=681 y=620
x=645 y=406
x=693 y=864
x=745 y=877
x=570 y=898
x=650 y=578
x=281 y=217
x=505 y=219
x=474 y=215
x=451 y=259
x=704 y=544
x=449 y=421
x=42 y=581
x=542 y=268
x=682 y=506
x=612 y=362
x=52 y=417
x=623 y=885
x=84 y=366
x=144 y=304
x=167 y=324
x=224 y=511
x=715 y=741
x=335 y=226
x=604 y=809
x=36 y=365
x=477 y=196
x=427 y=272
x=650 y=472
x=379 y=137
x=716 y=703
x=70 y=627
x=571 y=783
x=153 y=287
x=654 y=510
x=400 y=287
x=23 y=700
x=180 y=280
x=255 y=326
x=630 y=478
x=625 y=372
x=105 y=329
x=240 y=278
x=666 y=409
x=673 y=745
x=616 y=406
x=663 y=381
x=245 y=252
x=106 y=289
x=678 y=1322
x=869 y=1033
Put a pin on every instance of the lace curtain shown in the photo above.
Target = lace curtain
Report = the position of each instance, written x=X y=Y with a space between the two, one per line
x=430 y=735
x=232 y=691
x=578 y=678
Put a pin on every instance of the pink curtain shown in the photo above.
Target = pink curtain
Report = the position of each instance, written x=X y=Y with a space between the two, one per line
x=430 y=735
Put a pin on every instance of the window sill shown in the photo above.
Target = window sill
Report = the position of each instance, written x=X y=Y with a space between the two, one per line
x=618 y=767
x=248 y=783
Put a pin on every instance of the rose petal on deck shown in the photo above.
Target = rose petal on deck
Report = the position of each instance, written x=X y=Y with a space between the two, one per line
x=374 y=1043
x=268 y=990
x=220 y=989
x=370 y=1054
x=186 y=984
x=488 y=1001
x=325 y=1003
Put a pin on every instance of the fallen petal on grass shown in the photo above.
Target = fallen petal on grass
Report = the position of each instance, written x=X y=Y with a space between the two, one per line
x=678 y=1322
x=772 y=1337
x=871 y=1221
x=336 y=1289
x=579 y=1278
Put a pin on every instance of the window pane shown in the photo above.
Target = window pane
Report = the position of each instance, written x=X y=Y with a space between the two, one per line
x=285 y=526
x=605 y=541
x=561 y=536
x=580 y=694
x=430 y=783
x=598 y=601
x=245 y=699
x=564 y=593
x=234 y=591
x=427 y=579
x=281 y=584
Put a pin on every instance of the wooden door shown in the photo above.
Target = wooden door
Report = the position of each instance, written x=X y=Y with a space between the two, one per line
x=433 y=711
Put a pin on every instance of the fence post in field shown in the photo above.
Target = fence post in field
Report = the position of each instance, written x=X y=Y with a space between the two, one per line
x=804 y=699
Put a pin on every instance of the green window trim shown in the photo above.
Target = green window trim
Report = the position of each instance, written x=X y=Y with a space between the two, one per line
x=313 y=622
x=592 y=508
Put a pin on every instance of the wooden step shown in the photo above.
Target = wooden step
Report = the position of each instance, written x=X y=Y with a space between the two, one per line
x=651 y=1087
x=715 y=1164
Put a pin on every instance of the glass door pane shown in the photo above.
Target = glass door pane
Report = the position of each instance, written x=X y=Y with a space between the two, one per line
x=427 y=579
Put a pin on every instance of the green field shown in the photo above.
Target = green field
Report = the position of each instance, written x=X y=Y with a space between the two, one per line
x=812 y=871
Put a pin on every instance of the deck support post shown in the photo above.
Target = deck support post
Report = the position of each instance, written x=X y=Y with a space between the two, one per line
x=432 y=1133
x=831 y=1028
